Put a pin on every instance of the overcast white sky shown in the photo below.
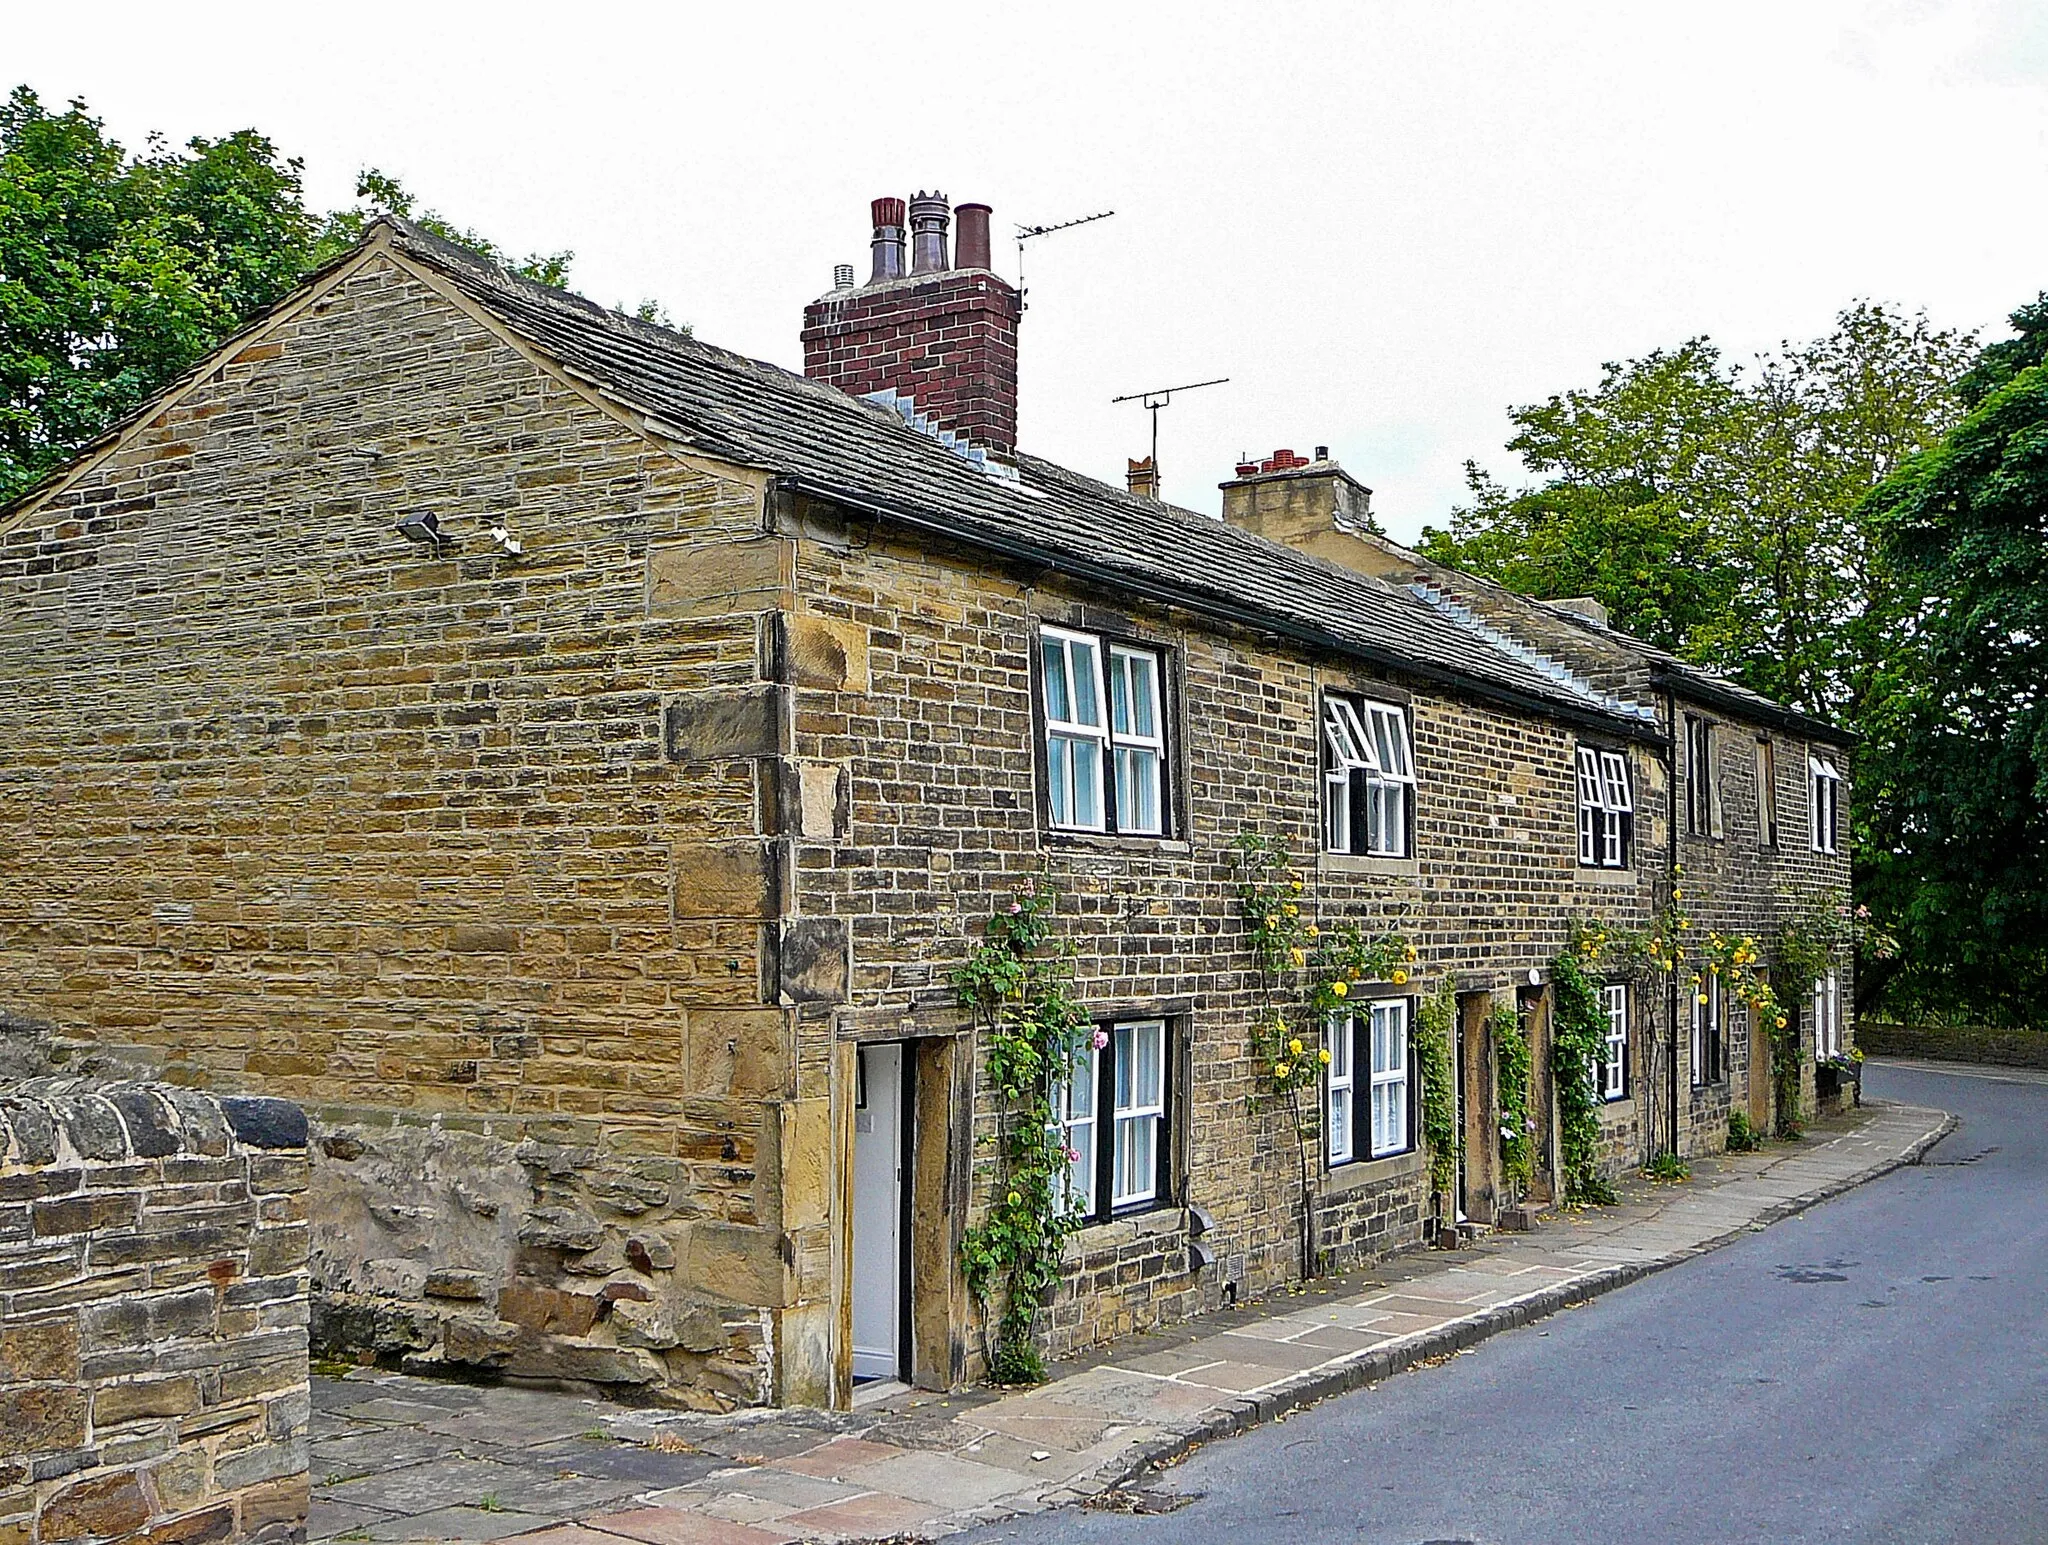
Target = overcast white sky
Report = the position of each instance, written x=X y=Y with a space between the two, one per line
x=1384 y=222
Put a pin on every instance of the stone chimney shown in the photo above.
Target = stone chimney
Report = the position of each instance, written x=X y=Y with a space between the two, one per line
x=943 y=339
x=1141 y=477
x=1292 y=499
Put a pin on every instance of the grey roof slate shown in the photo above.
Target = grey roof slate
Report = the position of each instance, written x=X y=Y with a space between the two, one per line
x=842 y=447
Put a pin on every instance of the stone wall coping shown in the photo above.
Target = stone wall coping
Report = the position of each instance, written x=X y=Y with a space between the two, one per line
x=53 y=1122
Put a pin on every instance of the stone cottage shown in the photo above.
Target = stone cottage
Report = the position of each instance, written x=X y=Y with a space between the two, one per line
x=570 y=760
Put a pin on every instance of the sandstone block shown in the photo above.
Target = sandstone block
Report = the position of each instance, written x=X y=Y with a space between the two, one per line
x=815 y=962
x=734 y=1263
x=139 y=1399
x=39 y=1349
x=742 y=1053
x=448 y=1282
x=725 y=725
x=42 y=1418
x=829 y=654
x=478 y=1341
x=716 y=579
x=102 y=1506
x=806 y=1154
x=547 y=1310
x=726 y=880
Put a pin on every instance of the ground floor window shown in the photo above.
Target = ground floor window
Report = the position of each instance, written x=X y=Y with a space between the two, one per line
x=1611 y=1076
x=1372 y=1039
x=1708 y=1021
x=1827 y=1016
x=1112 y=1109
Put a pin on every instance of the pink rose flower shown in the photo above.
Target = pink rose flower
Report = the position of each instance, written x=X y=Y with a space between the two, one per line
x=1101 y=1039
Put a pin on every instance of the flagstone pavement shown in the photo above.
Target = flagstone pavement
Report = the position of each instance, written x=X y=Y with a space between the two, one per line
x=402 y=1458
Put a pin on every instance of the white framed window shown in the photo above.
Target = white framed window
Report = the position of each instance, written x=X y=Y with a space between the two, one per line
x=1105 y=734
x=1706 y=1031
x=1373 y=1036
x=1111 y=1111
x=1827 y=1015
x=1824 y=807
x=1606 y=809
x=1138 y=1111
x=1612 y=1077
x=1074 y=1110
x=1368 y=777
x=1389 y=1097
x=1340 y=1107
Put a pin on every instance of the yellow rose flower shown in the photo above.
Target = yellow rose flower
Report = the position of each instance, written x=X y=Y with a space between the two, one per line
x=1323 y=1056
x=1409 y=952
x=1300 y=956
x=1291 y=910
x=1781 y=1021
x=1314 y=932
x=1272 y=919
x=1281 y=1070
x=1294 y=1046
x=1400 y=977
x=1339 y=988
x=1297 y=886
x=1703 y=997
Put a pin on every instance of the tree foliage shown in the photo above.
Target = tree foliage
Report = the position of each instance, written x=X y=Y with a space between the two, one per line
x=1713 y=509
x=1956 y=857
x=120 y=272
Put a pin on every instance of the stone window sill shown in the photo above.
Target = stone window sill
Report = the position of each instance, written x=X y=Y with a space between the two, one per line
x=1361 y=1173
x=1361 y=864
x=1623 y=878
x=1109 y=842
x=1157 y=1223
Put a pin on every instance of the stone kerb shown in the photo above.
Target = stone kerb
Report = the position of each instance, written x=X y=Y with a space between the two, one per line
x=153 y=1309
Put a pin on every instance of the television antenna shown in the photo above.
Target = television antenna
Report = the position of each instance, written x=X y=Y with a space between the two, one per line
x=1032 y=232
x=1160 y=397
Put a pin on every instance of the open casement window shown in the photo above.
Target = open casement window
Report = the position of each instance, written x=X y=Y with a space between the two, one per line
x=1606 y=809
x=1702 y=779
x=1112 y=1111
x=1368 y=777
x=1105 y=735
x=1610 y=1078
x=1707 y=1023
x=1372 y=1041
x=1827 y=1015
x=1766 y=794
x=1825 y=805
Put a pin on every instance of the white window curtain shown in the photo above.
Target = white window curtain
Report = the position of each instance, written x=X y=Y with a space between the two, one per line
x=1074 y=1108
x=1140 y=743
x=1076 y=729
x=1138 y=1108
x=1339 y=1138
x=1389 y=1089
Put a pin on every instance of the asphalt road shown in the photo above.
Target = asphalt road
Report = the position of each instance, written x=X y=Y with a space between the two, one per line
x=1875 y=1369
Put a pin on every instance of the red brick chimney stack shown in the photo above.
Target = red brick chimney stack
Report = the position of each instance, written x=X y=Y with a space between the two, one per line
x=942 y=337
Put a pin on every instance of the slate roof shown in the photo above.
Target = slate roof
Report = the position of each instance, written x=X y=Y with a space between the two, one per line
x=864 y=455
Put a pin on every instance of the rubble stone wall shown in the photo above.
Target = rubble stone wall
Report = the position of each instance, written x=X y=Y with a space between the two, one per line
x=153 y=1309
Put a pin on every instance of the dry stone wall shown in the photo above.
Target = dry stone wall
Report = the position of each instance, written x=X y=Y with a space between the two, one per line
x=153 y=1309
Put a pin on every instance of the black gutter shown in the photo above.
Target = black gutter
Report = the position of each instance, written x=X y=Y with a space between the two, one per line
x=1048 y=558
x=1672 y=864
x=1700 y=689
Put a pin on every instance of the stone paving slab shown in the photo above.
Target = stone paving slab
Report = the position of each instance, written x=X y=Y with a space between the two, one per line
x=398 y=1458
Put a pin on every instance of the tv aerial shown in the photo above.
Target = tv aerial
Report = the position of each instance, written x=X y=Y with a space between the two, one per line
x=1033 y=232
x=1161 y=397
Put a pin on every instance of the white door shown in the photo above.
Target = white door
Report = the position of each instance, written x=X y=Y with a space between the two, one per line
x=878 y=1214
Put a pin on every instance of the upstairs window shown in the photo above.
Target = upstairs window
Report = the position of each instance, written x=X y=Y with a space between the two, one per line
x=1112 y=1109
x=1825 y=805
x=1105 y=735
x=1610 y=1079
x=1368 y=778
x=1766 y=794
x=1606 y=809
x=1373 y=1041
x=1702 y=808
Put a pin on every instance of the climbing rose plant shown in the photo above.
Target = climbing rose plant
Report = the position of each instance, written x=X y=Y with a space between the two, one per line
x=1018 y=984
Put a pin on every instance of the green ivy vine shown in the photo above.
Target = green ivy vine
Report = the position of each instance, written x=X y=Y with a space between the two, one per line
x=1433 y=1022
x=1578 y=1034
x=1511 y=1061
x=1018 y=983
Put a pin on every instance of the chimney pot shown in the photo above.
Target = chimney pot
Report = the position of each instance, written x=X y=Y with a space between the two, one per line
x=972 y=250
x=842 y=276
x=930 y=214
x=1141 y=477
x=1247 y=469
x=888 y=240
x=1322 y=453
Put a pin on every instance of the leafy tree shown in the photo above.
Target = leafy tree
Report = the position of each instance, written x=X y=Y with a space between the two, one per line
x=1714 y=512
x=118 y=273
x=1956 y=858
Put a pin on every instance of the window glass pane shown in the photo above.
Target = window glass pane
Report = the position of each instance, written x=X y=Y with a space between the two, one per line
x=1337 y=795
x=1087 y=705
x=1390 y=741
x=1359 y=746
x=1386 y=818
x=1610 y=835
x=1059 y=778
x=1137 y=790
x=1589 y=778
x=1614 y=781
x=1058 y=700
x=1133 y=685
x=1087 y=783
x=1340 y=1125
x=1589 y=835
x=1134 y=1169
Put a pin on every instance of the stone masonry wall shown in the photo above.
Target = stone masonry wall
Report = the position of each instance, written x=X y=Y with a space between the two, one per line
x=932 y=732
x=432 y=840
x=153 y=1308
